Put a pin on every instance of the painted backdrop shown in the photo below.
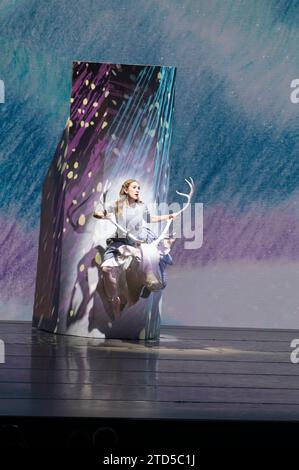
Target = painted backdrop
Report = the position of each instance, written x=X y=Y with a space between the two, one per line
x=235 y=133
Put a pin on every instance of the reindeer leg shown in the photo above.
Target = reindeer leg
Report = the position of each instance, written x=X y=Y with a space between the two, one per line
x=110 y=278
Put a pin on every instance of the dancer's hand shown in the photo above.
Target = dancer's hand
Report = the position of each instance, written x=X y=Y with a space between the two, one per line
x=101 y=215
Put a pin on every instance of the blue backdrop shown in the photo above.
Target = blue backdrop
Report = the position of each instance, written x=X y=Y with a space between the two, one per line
x=235 y=131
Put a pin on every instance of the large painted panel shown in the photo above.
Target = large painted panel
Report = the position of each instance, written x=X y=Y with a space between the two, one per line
x=119 y=130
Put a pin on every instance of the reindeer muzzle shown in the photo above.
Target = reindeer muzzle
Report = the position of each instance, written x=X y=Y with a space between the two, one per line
x=152 y=282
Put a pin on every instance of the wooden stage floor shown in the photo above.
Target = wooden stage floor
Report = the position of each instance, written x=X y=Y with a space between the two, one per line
x=191 y=373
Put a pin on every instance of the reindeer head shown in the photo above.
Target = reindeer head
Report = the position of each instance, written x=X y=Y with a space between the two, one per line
x=144 y=259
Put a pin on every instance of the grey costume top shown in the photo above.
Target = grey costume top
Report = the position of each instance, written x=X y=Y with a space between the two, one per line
x=131 y=218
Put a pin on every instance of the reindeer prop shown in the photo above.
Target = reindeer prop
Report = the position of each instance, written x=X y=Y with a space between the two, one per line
x=140 y=261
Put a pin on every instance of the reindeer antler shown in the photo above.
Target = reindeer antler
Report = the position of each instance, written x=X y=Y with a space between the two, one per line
x=103 y=196
x=125 y=231
x=191 y=185
x=163 y=233
x=188 y=196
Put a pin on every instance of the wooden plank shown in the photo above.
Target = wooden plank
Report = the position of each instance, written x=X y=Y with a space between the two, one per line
x=15 y=327
x=16 y=346
x=148 y=410
x=153 y=394
x=138 y=352
x=229 y=333
x=149 y=364
x=172 y=333
x=241 y=328
x=150 y=379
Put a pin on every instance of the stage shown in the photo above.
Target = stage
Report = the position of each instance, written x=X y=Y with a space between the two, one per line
x=192 y=375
